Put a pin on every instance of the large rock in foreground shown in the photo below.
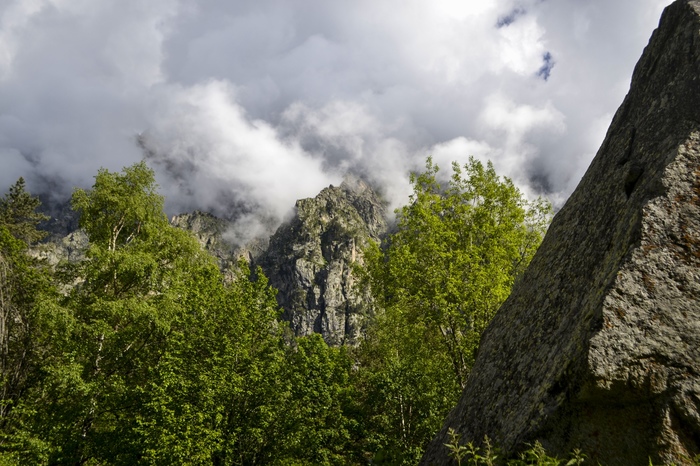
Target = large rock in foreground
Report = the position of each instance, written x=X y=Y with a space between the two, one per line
x=598 y=347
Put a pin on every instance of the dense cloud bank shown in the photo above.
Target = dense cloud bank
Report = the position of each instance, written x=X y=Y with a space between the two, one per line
x=254 y=104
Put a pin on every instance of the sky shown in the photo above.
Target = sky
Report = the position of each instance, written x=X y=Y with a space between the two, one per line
x=248 y=105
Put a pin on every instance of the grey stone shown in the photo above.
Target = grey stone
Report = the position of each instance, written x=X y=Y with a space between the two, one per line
x=598 y=346
x=71 y=247
x=310 y=261
x=212 y=233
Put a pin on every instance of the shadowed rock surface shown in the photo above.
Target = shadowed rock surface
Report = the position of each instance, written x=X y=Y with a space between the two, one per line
x=310 y=259
x=598 y=347
x=213 y=234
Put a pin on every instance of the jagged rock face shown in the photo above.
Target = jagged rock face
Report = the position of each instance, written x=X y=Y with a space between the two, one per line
x=310 y=260
x=71 y=247
x=212 y=232
x=208 y=229
x=598 y=346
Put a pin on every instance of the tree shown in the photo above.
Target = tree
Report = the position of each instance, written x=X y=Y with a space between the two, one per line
x=218 y=394
x=18 y=213
x=403 y=391
x=236 y=388
x=317 y=426
x=30 y=322
x=125 y=300
x=457 y=251
x=458 y=248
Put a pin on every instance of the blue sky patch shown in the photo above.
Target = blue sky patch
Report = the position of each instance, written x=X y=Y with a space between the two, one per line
x=510 y=18
x=546 y=68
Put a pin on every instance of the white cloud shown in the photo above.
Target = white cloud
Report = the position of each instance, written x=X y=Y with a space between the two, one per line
x=13 y=18
x=265 y=101
x=521 y=47
x=202 y=139
x=14 y=165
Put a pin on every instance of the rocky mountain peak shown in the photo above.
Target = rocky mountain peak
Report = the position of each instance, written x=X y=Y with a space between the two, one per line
x=309 y=260
x=598 y=346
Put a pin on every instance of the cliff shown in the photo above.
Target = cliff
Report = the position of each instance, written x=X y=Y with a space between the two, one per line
x=213 y=235
x=310 y=260
x=598 y=346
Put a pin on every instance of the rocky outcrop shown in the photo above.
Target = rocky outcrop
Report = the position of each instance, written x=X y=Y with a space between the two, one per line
x=71 y=247
x=598 y=346
x=209 y=231
x=310 y=261
x=213 y=235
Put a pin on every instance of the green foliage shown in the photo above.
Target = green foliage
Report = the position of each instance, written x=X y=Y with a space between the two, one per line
x=31 y=323
x=213 y=396
x=457 y=251
x=129 y=296
x=457 y=451
x=231 y=390
x=405 y=389
x=18 y=213
x=150 y=357
x=120 y=206
x=471 y=455
x=317 y=428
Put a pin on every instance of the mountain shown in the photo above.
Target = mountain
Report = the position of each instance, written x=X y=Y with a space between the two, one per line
x=213 y=235
x=310 y=261
x=598 y=346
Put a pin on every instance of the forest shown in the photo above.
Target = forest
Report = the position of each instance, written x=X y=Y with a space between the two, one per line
x=141 y=353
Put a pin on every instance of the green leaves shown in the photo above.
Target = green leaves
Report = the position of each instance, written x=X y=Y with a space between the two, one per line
x=457 y=251
x=121 y=207
x=459 y=246
x=131 y=297
x=316 y=426
x=18 y=213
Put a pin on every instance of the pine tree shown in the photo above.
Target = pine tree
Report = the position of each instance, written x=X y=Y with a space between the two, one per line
x=18 y=213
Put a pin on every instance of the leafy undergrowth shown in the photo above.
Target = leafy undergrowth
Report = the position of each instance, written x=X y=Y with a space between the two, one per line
x=470 y=455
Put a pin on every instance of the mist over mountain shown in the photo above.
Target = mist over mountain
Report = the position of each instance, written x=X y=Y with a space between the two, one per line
x=248 y=106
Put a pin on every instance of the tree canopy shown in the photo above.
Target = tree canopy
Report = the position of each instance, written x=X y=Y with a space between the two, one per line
x=151 y=357
x=148 y=356
x=458 y=248
x=18 y=213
